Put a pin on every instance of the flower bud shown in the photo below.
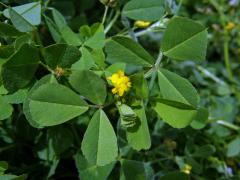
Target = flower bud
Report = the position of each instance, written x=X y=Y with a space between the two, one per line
x=142 y=24
x=110 y=3
x=59 y=71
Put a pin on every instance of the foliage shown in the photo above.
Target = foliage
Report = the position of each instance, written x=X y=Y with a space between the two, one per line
x=119 y=89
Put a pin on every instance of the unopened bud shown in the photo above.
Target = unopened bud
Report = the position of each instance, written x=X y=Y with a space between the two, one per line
x=110 y=3
x=142 y=24
x=59 y=71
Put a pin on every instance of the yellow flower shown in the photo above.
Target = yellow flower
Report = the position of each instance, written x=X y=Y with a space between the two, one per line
x=230 y=26
x=120 y=82
x=142 y=24
x=187 y=169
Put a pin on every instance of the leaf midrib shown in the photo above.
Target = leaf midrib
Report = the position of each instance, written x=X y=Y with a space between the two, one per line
x=59 y=103
x=131 y=52
x=179 y=93
x=33 y=6
x=21 y=17
x=98 y=146
x=183 y=42
x=97 y=95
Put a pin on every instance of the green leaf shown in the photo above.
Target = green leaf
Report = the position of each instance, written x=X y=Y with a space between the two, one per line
x=99 y=57
x=115 y=68
x=200 y=121
x=139 y=85
x=174 y=116
x=5 y=110
x=233 y=148
x=123 y=49
x=59 y=19
x=88 y=171
x=3 y=90
x=97 y=39
x=61 y=55
x=175 y=175
x=70 y=37
x=30 y=12
x=26 y=110
x=17 y=97
x=150 y=10
x=185 y=39
x=7 y=30
x=13 y=177
x=138 y=136
x=61 y=138
x=99 y=145
x=90 y=85
x=20 y=68
x=19 y=22
x=52 y=104
x=204 y=151
x=25 y=17
x=24 y=39
x=5 y=52
x=65 y=31
x=56 y=35
x=3 y=167
x=86 y=62
x=175 y=88
x=135 y=170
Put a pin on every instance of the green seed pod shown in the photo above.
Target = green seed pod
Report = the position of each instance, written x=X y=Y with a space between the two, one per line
x=110 y=3
x=127 y=115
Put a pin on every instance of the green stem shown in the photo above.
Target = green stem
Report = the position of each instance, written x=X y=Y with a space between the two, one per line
x=52 y=78
x=154 y=73
x=46 y=67
x=155 y=68
x=47 y=2
x=105 y=15
x=6 y=6
x=149 y=73
x=223 y=22
x=7 y=147
x=210 y=75
x=226 y=56
x=179 y=7
x=228 y=125
x=109 y=26
x=37 y=38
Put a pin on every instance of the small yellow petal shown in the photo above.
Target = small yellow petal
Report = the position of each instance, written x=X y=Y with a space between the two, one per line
x=120 y=82
x=120 y=92
x=120 y=73
x=114 y=90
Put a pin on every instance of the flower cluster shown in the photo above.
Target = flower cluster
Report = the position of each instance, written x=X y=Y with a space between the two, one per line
x=120 y=82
